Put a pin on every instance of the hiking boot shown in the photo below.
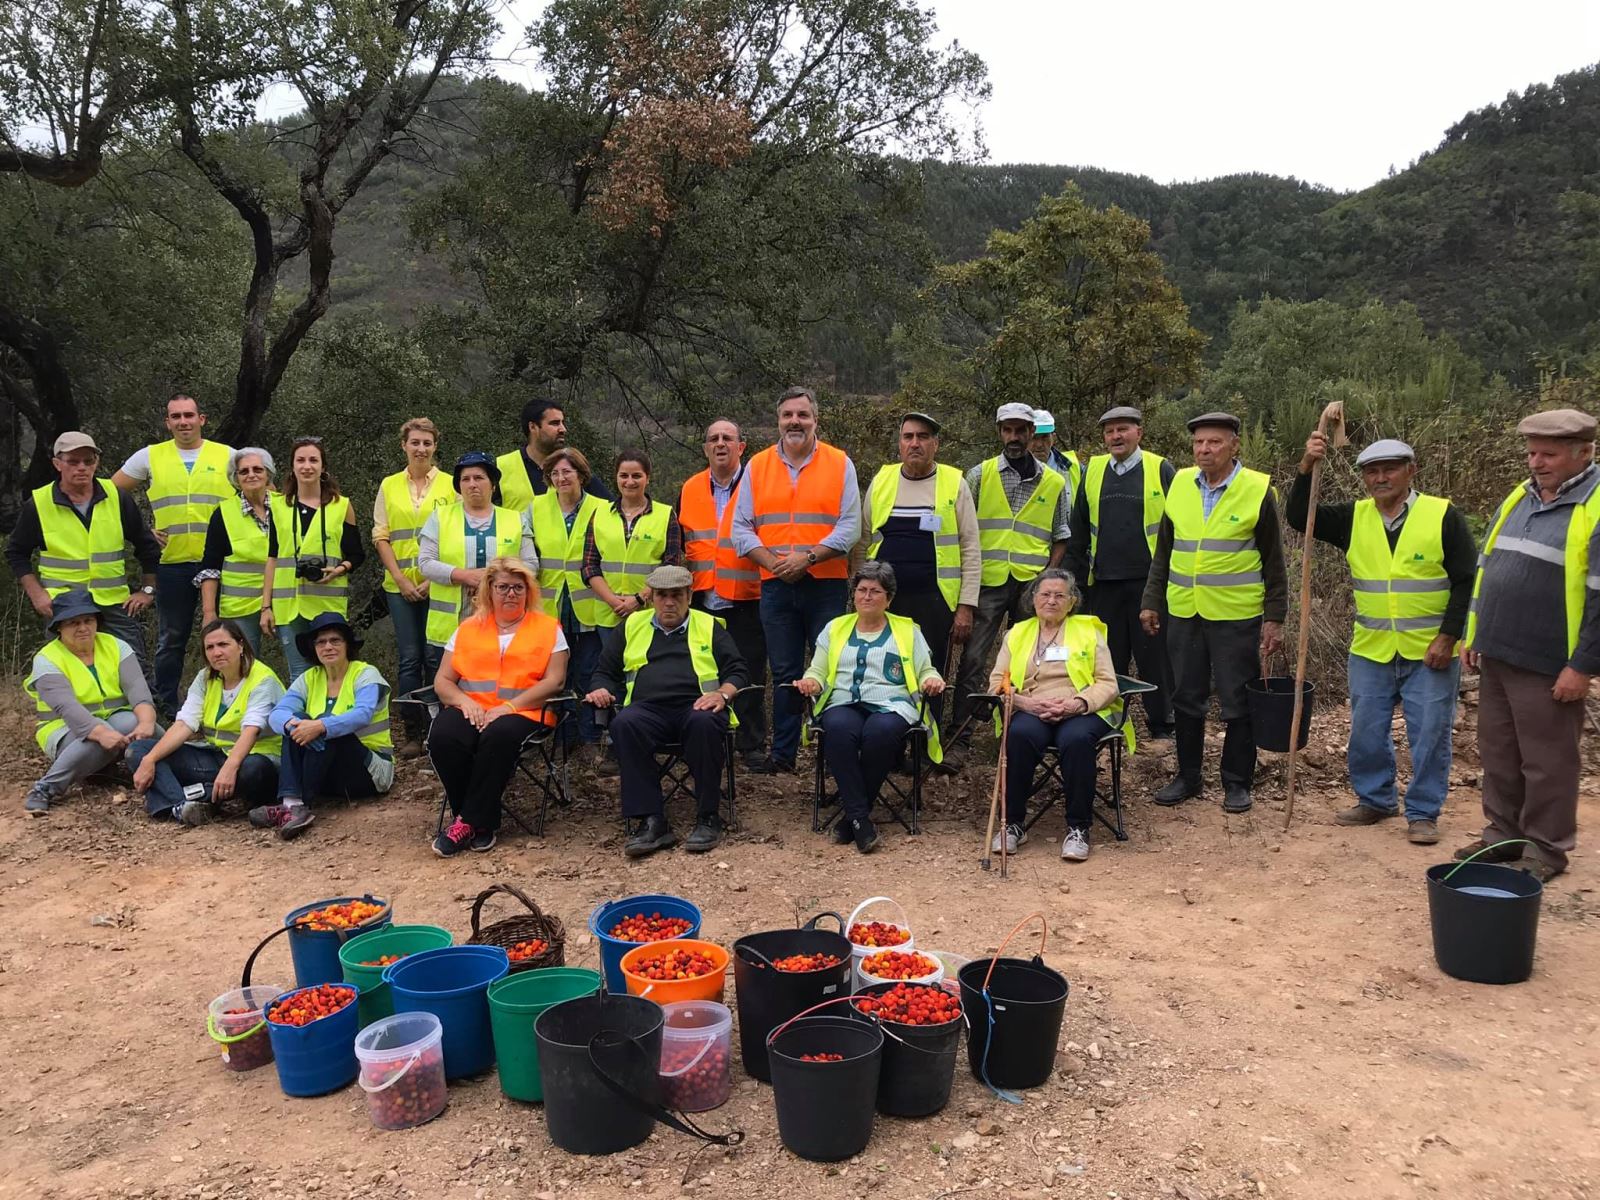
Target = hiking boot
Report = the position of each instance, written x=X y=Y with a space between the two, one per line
x=706 y=835
x=193 y=813
x=773 y=766
x=453 y=840
x=1500 y=854
x=412 y=747
x=655 y=834
x=37 y=804
x=1075 y=847
x=955 y=759
x=1235 y=798
x=1011 y=837
x=1363 y=814
x=753 y=759
x=866 y=835
x=843 y=832
x=1538 y=868
x=1422 y=833
x=606 y=765
x=1180 y=789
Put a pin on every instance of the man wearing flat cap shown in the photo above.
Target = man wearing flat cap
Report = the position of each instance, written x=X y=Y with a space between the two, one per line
x=1534 y=636
x=1411 y=560
x=1218 y=566
x=1114 y=524
x=670 y=671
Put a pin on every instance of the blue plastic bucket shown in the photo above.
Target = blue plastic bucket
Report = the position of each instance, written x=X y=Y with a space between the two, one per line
x=316 y=951
x=317 y=1058
x=452 y=983
x=612 y=949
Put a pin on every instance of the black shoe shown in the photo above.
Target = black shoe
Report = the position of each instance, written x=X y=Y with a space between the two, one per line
x=955 y=757
x=655 y=834
x=483 y=840
x=1235 y=798
x=1180 y=789
x=773 y=766
x=843 y=832
x=706 y=835
x=753 y=760
x=866 y=835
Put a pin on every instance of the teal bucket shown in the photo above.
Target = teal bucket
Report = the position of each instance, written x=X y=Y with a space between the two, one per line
x=376 y=1000
x=515 y=1002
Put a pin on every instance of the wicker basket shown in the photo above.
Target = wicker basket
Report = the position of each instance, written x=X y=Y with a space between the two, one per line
x=507 y=933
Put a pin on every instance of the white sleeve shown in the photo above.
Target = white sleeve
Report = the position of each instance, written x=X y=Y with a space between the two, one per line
x=193 y=710
x=561 y=640
x=451 y=643
x=138 y=465
x=261 y=703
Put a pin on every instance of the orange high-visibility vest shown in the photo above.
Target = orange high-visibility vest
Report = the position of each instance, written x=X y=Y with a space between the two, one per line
x=489 y=677
x=708 y=542
x=796 y=516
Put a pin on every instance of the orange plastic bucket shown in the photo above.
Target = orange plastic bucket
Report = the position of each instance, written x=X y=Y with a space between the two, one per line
x=666 y=991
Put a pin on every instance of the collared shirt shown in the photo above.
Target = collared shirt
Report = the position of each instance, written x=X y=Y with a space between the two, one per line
x=655 y=619
x=27 y=536
x=1017 y=491
x=1399 y=518
x=1580 y=480
x=845 y=530
x=721 y=493
x=380 y=510
x=1210 y=495
x=672 y=556
x=1129 y=463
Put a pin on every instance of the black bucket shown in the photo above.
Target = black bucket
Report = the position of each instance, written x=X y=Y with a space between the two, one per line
x=767 y=998
x=919 y=1061
x=1012 y=1036
x=825 y=1109
x=588 y=1048
x=1485 y=921
x=1271 y=702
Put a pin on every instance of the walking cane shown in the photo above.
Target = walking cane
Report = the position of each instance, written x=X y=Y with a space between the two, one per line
x=1334 y=415
x=998 y=788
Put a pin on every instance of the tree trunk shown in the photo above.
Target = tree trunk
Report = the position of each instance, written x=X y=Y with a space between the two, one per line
x=46 y=400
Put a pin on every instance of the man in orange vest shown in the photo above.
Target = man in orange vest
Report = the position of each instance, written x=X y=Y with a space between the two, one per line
x=725 y=585
x=797 y=513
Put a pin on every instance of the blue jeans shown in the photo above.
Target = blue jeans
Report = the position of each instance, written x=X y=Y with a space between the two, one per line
x=417 y=662
x=250 y=626
x=1428 y=700
x=327 y=767
x=583 y=655
x=793 y=615
x=176 y=601
x=256 y=783
x=292 y=657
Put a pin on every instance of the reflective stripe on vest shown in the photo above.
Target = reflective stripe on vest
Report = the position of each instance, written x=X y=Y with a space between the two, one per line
x=102 y=696
x=406 y=518
x=222 y=728
x=703 y=532
x=640 y=632
x=790 y=515
x=293 y=597
x=244 y=567
x=516 y=489
x=1081 y=635
x=737 y=578
x=626 y=561
x=1574 y=561
x=76 y=558
x=374 y=735
x=946 y=542
x=491 y=678
x=1016 y=546
x=183 y=499
x=1401 y=594
x=1155 y=499
x=449 y=603
x=1215 y=571
x=561 y=555
x=904 y=631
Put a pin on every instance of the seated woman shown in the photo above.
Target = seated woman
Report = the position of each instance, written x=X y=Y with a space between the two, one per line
x=499 y=667
x=219 y=747
x=869 y=668
x=1066 y=694
x=335 y=725
x=90 y=696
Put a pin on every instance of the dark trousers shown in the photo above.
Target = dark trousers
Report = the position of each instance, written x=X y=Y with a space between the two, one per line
x=750 y=639
x=176 y=601
x=1075 y=740
x=793 y=616
x=1530 y=746
x=640 y=728
x=583 y=655
x=998 y=607
x=476 y=766
x=934 y=617
x=328 y=767
x=1220 y=656
x=416 y=661
x=257 y=780
x=860 y=747
x=1117 y=602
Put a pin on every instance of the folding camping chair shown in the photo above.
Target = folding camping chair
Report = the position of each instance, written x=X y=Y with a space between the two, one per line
x=894 y=795
x=675 y=778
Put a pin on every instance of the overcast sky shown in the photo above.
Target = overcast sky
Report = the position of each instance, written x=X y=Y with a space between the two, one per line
x=1329 y=93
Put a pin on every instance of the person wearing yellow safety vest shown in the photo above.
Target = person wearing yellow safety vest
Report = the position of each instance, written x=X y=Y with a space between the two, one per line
x=919 y=517
x=670 y=672
x=869 y=675
x=1114 y=524
x=90 y=698
x=1044 y=449
x=522 y=477
x=234 y=567
x=313 y=548
x=187 y=478
x=561 y=518
x=1412 y=562
x=1022 y=529
x=1058 y=666
x=219 y=747
x=1218 y=575
x=1533 y=634
x=79 y=527
x=401 y=507
x=334 y=721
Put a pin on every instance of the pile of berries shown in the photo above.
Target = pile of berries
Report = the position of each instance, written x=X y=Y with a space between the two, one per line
x=523 y=951
x=416 y=1096
x=910 y=1004
x=879 y=933
x=896 y=964
x=699 y=1088
x=807 y=962
x=651 y=928
x=311 y=1004
x=383 y=960
x=823 y=1057
x=675 y=963
x=247 y=1053
x=339 y=916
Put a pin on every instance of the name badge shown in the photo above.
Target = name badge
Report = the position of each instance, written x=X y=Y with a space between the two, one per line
x=929 y=522
x=1055 y=654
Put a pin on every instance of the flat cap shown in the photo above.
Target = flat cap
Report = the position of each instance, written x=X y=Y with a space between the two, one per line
x=1386 y=450
x=1014 y=412
x=1226 y=420
x=933 y=425
x=1559 y=423
x=1123 y=412
x=73 y=440
x=666 y=578
x=1044 y=421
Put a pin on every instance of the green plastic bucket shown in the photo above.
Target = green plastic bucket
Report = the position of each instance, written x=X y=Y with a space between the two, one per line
x=514 y=1003
x=376 y=1001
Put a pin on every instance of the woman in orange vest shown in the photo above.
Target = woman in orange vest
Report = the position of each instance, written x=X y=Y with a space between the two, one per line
x=499 y=667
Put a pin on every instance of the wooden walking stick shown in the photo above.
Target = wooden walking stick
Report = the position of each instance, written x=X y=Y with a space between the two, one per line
x=986 y=862
x=1332 y=415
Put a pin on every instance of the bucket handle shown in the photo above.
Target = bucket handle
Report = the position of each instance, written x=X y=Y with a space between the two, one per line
x=657 y=1112
x=1445 y=878
x=260 y=946
x=904 y=922
x=744 y=950
x=393 y=1079
x=228 y=1039
x=812 y=923
x=1044 y=932
x=705 y=1049
x=806 y=1012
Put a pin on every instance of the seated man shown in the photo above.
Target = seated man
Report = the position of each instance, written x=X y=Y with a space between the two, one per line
x=675 y=670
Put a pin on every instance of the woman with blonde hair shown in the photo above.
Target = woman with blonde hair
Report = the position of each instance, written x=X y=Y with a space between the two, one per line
x=500 y=666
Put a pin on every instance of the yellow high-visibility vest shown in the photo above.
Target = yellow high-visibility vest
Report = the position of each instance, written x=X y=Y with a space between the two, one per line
x=375 y=734
x=78 y=558
x=626 y=562
x=561 y=555
x=99 y=690
x=222 y=727
x=1155 y=500
x=406 y=518
x=1016 y=545
x=244 y=567
x=1215 y=571
x=904 y=632
x=447 y=602
x=640 y=631
x=1575 y=560
x=1081 y=635
x=946 y=542
x=1401 y=594
x=182 y=499
x=292 y=596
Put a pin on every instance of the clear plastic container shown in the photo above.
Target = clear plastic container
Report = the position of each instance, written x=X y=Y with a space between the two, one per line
x=696 y=1055
x=402 y=1069
x=237 y=1022
x=952 y=964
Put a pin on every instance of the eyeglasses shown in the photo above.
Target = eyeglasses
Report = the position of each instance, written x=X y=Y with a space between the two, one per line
x=510 y=589
x=870 y=590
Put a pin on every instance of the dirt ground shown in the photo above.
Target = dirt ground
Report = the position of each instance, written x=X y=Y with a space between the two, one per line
x=1253 y=1013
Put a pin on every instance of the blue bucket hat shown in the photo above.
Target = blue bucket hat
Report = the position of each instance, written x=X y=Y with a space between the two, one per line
x=71 y=604
x=477 y=458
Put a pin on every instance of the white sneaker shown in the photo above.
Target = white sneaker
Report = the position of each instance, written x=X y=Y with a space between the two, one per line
x=1012 y=836
x=1075 y=847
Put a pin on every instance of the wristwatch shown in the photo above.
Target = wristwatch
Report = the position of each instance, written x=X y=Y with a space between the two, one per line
x=811 y=557
x=148 y=590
